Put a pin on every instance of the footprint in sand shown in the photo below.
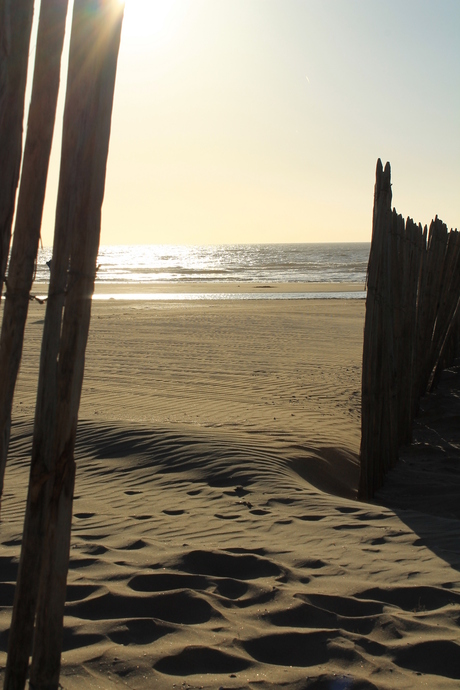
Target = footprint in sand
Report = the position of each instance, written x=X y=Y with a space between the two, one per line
x=78 y=563
x=313 y=563
x=141 y=517
x=139 y=632
x=163 y=582
x=311 y=616
x=228 y=516
x=242 y=566
x=182 y=606
x=291 y=648
x=94 y=550
x=134 y=545
x=79 y=592
x=413 y=598
x=438 y=657
x=74 y=640
x=199 y=660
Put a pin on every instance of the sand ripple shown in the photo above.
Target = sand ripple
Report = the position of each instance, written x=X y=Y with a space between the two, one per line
x=216 y=561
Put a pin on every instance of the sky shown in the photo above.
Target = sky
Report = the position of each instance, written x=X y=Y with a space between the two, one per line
x=262 y=120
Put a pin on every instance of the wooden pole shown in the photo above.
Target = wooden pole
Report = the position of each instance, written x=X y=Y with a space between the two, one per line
x=429 y=296
x=375 y=444
x=42 y=115
x=415 y=243
x=389 y=301
x=95 y=40
x=447 y=308
x=15 y=27
x=397 y=317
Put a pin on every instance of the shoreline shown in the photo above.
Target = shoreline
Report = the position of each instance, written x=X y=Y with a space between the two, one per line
x=218 y=289
x=226 y=287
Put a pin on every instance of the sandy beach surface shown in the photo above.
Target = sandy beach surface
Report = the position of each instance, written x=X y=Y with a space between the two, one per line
x=217 y=540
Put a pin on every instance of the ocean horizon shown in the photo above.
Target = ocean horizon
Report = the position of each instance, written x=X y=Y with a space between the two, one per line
x=126 y=267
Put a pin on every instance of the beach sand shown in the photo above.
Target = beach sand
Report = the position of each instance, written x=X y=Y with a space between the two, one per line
x=217 y=540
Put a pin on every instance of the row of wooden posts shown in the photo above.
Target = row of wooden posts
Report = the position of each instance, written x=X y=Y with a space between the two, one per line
x=37 y=620
x=411 y=327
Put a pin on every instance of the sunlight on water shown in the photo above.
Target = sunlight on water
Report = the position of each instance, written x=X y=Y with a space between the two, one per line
x=247 y=264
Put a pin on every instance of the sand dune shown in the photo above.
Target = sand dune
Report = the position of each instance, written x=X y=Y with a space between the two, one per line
x=217 y=540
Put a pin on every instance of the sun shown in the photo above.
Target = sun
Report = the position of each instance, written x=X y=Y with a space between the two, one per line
x=144 y=19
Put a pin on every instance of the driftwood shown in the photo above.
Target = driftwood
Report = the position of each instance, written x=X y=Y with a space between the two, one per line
x=412 y=315
x=42 y=114
x=44 y=558
x=15 y=27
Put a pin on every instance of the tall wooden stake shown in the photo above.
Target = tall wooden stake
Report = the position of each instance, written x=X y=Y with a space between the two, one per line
x=94 y=47
x=375 y=444
x=42 y=115
x=15 y=27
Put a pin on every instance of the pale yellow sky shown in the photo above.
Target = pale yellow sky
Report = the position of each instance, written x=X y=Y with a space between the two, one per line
x=262 y=120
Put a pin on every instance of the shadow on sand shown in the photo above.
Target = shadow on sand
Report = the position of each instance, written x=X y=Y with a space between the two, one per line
x=424 y=488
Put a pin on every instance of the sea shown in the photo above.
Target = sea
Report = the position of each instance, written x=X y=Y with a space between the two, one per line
x=123 y=266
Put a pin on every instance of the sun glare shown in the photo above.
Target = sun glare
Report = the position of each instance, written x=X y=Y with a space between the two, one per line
x=151 y=18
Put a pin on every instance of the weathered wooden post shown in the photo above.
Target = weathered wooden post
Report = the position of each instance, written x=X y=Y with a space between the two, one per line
x=15 y=27
x=378 y=375
x=40 y=127
x=429 y=295
x=96 y=28
x=414 y=240
x=447 y=305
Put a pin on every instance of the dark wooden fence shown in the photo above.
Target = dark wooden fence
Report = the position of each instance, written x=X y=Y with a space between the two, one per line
x=411 y=327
